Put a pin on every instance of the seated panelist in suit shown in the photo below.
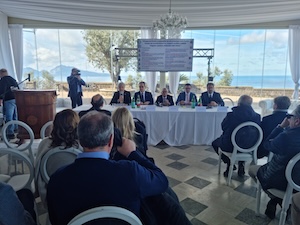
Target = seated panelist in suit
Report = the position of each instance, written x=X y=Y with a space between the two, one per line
x=210 y=97
x=145 y=96
x=164 y=99
x=186 y=97
x=121 y=96
x=94 y=180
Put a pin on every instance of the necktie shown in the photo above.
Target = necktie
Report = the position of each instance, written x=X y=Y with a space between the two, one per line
x=187 y=97
x=142 y=97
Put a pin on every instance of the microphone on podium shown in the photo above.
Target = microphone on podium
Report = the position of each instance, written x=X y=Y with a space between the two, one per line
x=28 y=77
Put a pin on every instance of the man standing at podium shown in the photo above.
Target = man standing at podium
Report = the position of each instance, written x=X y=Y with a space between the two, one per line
x=75 y=90
x=7 y=97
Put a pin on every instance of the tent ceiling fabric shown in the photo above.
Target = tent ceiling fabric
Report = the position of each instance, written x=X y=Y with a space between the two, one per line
x=141 y=13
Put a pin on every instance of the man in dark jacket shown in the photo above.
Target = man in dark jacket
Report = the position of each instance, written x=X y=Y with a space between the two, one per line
x=164 y=99
x=121 y=96
x=240 y=114
x=210 y=97
x=97 y=104
x=284 y=142
x=268 y=123
x=75 y=90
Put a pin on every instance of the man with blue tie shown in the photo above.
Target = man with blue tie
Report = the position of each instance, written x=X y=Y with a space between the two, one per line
x=145 y=96
x=186 y=97
x=210 y=97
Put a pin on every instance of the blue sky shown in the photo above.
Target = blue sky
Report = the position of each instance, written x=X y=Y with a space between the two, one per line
x=245 y=52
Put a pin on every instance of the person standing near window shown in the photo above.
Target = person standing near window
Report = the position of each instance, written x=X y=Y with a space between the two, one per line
x=75 y=90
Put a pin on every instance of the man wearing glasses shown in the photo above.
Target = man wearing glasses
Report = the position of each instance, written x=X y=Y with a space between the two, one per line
x=284 y=143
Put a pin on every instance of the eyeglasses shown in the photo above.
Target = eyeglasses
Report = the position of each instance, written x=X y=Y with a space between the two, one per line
x=289 y=116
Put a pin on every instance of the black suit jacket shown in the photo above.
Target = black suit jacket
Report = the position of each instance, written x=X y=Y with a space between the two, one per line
x=82 y=113
x=115 y=98
x=148 y=97
x=268 y=124
x=216 y=97
x=160 y=100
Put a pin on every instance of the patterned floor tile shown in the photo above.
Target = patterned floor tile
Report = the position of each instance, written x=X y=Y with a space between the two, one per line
x=238 y=178
x=248 y=216
x=175 y=156
x=173 y=182
x=198 y=182
x=161 y=146
x=192 y=207
x=211 y=161
x=210 y=149
x=247 y=190
x=195 y=221
x=177 y=165
x=183 y=147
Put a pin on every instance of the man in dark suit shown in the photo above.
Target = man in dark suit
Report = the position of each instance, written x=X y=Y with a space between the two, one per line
x=75 y=90
x=210 y=97
x=121 y=96
x=268 y=123
x=97 y=104
x=240 y=114
x=186 y=97
x=93 y=180
x=145 y=96
x=164 y=99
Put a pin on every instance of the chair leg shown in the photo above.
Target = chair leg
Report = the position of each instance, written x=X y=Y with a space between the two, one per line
x=258 y=198
x=230 y=172
x=220 y=161
x=285 y=205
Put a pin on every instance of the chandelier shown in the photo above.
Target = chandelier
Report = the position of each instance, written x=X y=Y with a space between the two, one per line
x=170 y=25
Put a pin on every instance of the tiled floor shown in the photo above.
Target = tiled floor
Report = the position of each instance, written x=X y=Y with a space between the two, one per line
x=193 y=174
x=203 y=193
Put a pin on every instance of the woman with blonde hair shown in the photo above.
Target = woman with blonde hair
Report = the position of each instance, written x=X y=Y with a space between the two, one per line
x=123 y=120
x=63 y=136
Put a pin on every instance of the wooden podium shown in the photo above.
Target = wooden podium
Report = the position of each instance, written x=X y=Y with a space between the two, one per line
x=35 y=108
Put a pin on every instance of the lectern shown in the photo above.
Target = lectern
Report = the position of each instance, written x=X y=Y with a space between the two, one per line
x=35 y=108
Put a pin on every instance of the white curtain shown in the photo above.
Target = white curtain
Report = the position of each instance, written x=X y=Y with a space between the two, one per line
x=294 y=54
x=16 y=36
x=151 y=77
x=6 y=60
x=173 y=83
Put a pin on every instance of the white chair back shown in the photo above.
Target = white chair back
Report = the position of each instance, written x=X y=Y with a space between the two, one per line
x=22 y=147
x=58 y=150
x=44 y=129
x=106 y=212
x=19 y=181
x=225 y=100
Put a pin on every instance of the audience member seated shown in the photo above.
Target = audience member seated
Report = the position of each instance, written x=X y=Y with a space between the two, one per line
x=240 y=114
x=186 y=97
x=121 y=96
x=268 y=123
x=284 y=143
x=97 y=104
x=145 y=96
x=164 y=99
x=210 y=97
x=93 y=180
x=64 y=135
x=16 y=208
x=123 y=120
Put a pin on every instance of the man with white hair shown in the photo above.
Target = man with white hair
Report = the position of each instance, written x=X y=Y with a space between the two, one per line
x=121 y=96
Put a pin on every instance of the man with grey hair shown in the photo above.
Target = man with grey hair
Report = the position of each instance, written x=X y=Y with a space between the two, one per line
x=284 y=143
x=268 y=123
x=240 y=114
x=93 y=180
x=121 y=96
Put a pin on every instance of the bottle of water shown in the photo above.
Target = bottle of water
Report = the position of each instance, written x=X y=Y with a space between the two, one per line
x=200 y=101
x=138 y=101
x=193 y=102
x=133 y=103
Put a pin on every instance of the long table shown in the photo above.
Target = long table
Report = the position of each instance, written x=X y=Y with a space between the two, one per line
x=177 y=126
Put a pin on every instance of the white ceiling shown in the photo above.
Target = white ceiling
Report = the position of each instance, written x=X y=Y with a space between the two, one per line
x=141 y=13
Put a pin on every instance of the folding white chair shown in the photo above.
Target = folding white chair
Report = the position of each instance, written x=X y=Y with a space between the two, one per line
x=19 y=181
x=287 y=195
x=239 y=153
x=225 y=100
x=22 y=147
x=105 y=212
x=44 y=128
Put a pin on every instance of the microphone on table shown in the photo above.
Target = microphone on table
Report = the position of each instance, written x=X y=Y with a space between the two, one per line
x=28 y=77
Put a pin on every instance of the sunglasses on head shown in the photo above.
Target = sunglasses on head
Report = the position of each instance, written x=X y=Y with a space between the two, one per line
x=289 y=116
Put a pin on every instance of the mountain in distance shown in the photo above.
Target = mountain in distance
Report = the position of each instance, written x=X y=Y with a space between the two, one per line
x=66 y=71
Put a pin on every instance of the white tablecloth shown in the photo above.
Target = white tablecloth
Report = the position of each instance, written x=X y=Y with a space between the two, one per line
x=183 y=127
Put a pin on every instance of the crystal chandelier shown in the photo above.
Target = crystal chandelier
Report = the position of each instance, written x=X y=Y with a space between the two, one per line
x=170 y=25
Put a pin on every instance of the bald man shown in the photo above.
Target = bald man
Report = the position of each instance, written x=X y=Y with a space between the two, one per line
x=164 y=99
x=97 y=104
